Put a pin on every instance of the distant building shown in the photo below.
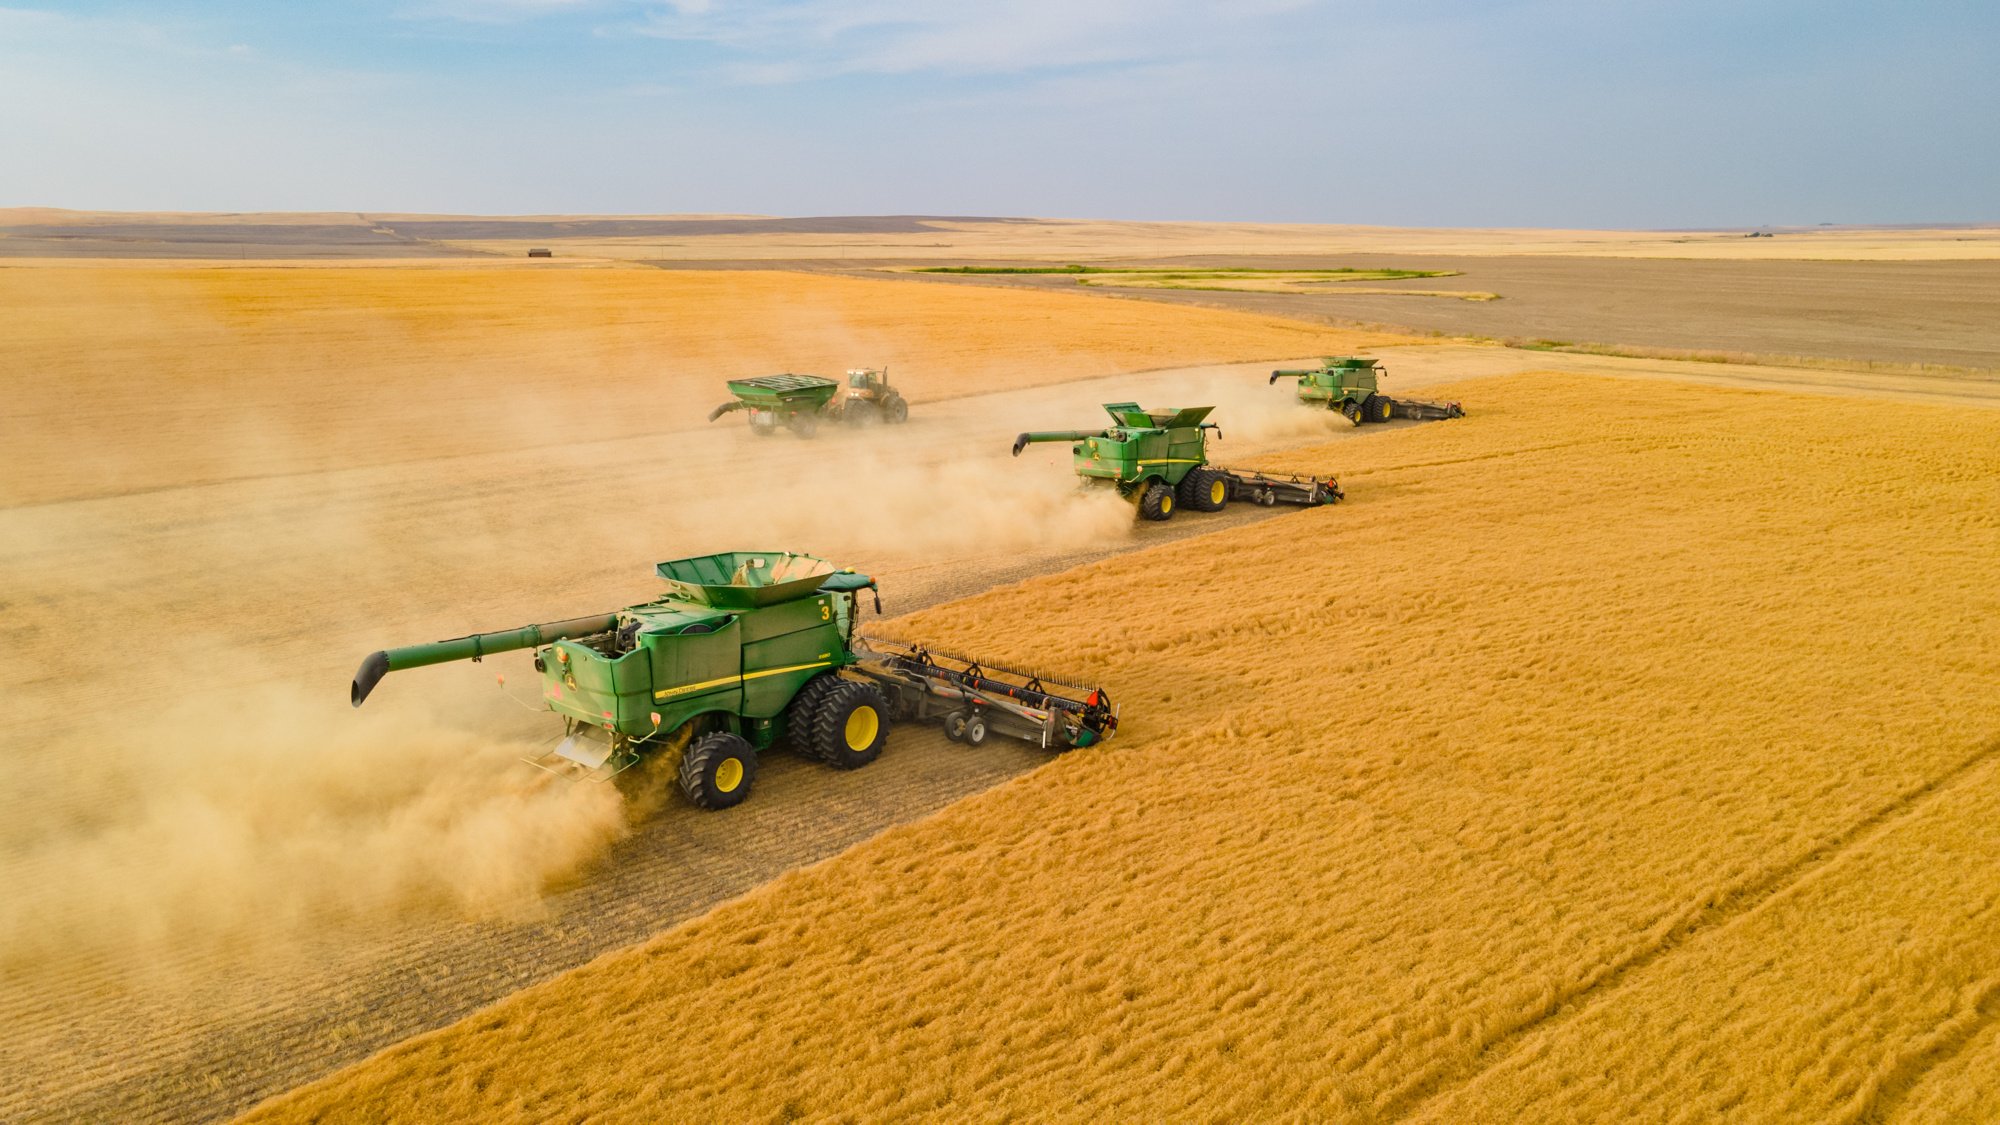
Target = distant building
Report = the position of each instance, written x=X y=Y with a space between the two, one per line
x=541 y=252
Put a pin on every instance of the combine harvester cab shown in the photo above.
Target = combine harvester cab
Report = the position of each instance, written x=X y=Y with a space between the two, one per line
x=1159 y=460
x=1351 y=385
x=799 y=402
x=745 y=650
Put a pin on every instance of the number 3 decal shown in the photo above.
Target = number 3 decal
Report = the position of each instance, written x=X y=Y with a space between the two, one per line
x=825 y=612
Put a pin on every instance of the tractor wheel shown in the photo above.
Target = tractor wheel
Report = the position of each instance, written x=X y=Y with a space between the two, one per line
x=1204 y=490
x=800 y=711
x=975 y=730
x=1351 y=411
x=1156 y=502
x=1376 y=408
x=804 y=425
x=861 y=414
x=717 y=770
x=954 y=726
x=852 y=725
x=896 y=410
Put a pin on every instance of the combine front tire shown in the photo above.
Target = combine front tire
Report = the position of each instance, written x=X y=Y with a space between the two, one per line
x=852 y=725
x=1351 y=411
x=1204 y=490
x=717 y=770
x=1156 y=502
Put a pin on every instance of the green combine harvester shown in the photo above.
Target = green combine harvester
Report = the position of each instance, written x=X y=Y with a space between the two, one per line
x=799 y=402
x=1160 y=460
x=745 y=651
x=1350 y=384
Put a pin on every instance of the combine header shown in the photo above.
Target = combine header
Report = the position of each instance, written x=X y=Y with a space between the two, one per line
x=1160 y=458
x=1349 y=384
x=798 y=402
x=744 y=651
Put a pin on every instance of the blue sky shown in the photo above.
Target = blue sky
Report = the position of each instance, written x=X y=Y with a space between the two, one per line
x=1416 y=112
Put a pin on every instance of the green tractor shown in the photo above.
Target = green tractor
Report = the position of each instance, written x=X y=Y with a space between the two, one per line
x=798 y=402
x=1350 y=384
x=745 y=651
x=1159 y=459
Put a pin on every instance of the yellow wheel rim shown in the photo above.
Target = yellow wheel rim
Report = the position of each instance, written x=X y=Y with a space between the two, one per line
x=1217 y=492
x=1166 y=503
x=863 y=724
x=729 y=775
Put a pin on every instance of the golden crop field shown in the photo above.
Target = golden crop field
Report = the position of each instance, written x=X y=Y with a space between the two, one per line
x=145 y=377
x=1625 y=750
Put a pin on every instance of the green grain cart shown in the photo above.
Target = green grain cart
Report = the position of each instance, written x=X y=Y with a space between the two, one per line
x=1159 y=459
x=1350 y=384
x=747 y=650
x=800 y=402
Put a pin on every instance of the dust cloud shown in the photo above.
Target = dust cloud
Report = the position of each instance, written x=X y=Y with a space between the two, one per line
x=291 y=816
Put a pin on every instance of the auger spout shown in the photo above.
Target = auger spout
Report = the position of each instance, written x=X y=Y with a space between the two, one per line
x=380 y=664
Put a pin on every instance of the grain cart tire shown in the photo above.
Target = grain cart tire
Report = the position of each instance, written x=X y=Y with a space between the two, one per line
x=975 y=730
x=852 y=725
x=1351 y=411
x=1376 y=408
x=1156 y=501
x=954 y=726
x=898 y=411
x=717 y=769
x=800 y=711
x=803 y=424
x=1204 y=490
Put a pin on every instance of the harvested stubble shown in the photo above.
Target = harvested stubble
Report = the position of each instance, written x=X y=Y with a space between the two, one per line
x=147 y=377
x=1624 y=749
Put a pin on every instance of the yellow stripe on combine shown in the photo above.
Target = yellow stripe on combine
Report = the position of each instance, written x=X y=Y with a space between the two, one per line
x=1170 y=461
x=686 y=688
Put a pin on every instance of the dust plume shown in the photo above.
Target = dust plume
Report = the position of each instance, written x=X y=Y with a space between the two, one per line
x=288 y=815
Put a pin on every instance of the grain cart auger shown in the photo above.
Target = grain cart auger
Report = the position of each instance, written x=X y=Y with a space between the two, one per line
x=744 y=651
x=1351 y=385
x=1160 y=460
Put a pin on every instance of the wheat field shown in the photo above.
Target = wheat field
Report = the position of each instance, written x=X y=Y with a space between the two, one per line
x=1627 y=750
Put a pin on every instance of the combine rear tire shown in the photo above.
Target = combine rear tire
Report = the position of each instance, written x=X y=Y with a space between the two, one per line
x=852 y=725
x=804 y=706
x=1204 y=490
x=1156 y=502
x=896 y=410
x=717 y=770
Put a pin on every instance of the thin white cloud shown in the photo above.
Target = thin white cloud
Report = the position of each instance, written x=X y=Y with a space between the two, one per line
x=795 y=40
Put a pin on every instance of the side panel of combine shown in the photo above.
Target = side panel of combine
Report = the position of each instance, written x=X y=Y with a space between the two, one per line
x=581 y=682
x=784 y=646
x=1185 y=453
x=696 y=671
